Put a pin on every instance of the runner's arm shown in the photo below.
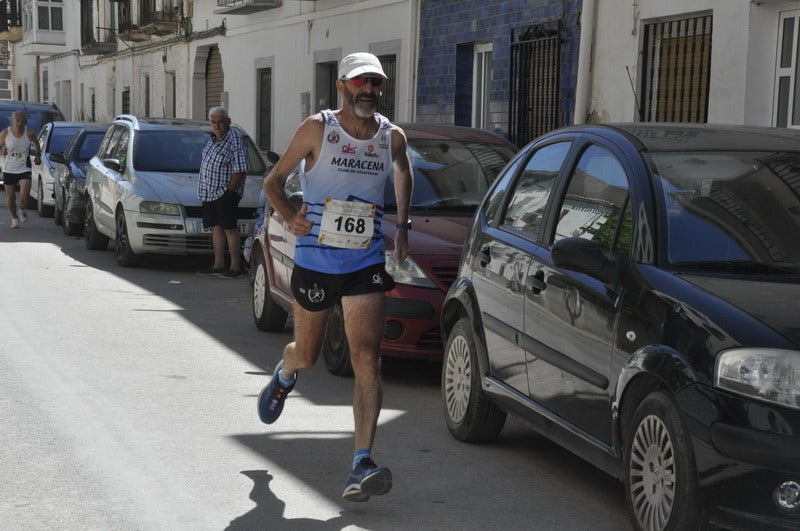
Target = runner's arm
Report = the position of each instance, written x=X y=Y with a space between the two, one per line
x=403 y=186
x=305 y=145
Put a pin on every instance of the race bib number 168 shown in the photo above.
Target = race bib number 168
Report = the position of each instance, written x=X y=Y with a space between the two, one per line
x=347 y=224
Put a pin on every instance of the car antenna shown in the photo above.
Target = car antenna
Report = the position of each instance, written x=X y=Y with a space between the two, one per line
x=635 y=97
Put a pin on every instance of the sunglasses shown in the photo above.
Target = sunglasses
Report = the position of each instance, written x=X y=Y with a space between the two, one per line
x=361 y=81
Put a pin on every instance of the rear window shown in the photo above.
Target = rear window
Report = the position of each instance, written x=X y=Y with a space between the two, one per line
x=90 y=145
x=451 y=175
x=59 y=138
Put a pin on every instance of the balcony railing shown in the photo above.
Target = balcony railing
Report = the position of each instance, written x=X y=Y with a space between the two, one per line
x=244 y=7
x=159 y=22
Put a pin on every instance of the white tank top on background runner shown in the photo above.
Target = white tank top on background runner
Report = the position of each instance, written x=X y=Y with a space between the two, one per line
x=17 y=153
x=344 y=193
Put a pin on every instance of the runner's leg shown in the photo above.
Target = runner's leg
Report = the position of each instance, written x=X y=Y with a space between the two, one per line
x=363 y=319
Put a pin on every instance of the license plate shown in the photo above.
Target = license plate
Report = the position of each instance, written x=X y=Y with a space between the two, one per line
x=244 y=228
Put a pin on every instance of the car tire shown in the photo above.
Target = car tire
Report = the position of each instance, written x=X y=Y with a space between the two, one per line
x=470 y=415
x=122 y=244
x=94 y=239
x=70 y=228
x=45 y=211
x=267 y=314
x=335 y=348
x=661 y=486
x=58 y=213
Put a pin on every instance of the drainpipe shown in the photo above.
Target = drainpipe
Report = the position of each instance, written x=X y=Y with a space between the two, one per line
x=416 y=9
x=583 y=83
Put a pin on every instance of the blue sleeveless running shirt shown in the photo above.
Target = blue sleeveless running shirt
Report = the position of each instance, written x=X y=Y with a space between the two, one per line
x=344 y=193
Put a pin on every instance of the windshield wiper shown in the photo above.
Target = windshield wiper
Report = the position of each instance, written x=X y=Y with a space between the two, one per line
x=738 y=266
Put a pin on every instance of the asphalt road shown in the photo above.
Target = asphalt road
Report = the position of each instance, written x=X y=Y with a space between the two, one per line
x=127 y=401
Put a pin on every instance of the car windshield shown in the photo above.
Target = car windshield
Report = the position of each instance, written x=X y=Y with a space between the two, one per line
x=36 y=119
x=169 y=150
x=60 y=137
x=90 y=145
x=449 y=175
x=737 y=211
x=181 y=151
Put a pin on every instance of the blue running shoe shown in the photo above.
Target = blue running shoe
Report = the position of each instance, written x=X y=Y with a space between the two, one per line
x=367 y=479
x=272 y=397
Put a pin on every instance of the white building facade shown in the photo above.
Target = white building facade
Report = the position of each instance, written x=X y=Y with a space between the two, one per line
x=271 y=63
x=274 y=62
x=719 y=61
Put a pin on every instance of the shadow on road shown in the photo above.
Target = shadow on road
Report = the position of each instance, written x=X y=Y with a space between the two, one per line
x=222 y=308
x=266 y=513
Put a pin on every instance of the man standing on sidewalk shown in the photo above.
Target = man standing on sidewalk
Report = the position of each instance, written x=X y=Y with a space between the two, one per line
x=220 y=188
x=15 y=144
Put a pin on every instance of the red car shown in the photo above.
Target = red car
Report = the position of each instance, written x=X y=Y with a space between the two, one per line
x=453 y=167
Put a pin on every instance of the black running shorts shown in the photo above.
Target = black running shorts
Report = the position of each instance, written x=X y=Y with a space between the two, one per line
x=317 y=291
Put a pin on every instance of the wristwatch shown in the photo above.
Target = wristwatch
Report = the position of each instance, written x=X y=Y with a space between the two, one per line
x=404 y=225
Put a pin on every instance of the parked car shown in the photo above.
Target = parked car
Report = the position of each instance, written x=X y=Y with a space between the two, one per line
x=628 y=290
x=69 y=171
x=141 y=189
x=53 y=138
x=38 y=114
x=453 y=167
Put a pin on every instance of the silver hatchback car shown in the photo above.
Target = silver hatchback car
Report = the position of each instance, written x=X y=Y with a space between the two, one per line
x=141 y=189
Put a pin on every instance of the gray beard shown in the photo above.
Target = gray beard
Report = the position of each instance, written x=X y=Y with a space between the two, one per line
x=359 y=110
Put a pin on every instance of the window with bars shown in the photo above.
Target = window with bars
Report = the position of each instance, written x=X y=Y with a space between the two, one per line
x=386 y=102
x=535 y=73
x=9 y=14
x=675 y=70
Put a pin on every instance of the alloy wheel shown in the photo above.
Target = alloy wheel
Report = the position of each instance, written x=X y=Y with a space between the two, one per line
x=652 y=474
x=457 y=379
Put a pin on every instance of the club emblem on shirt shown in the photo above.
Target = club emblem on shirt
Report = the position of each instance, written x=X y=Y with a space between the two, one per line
x=333 y=137
x=376 y=279
x=316 y=294
x=348 y=149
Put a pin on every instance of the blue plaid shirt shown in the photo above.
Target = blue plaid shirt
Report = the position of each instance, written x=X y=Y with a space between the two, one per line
x=221 y=159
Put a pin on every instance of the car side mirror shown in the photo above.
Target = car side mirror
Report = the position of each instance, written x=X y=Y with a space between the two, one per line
x=112 y=164
x=57 y=157
x=585 y=256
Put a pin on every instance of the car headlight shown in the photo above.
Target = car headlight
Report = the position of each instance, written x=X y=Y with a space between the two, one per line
x=156 y=207
x=772 y=375
x=407 y=272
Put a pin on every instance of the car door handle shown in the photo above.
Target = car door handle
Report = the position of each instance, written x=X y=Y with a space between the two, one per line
x=536 y=282
x=484 y=256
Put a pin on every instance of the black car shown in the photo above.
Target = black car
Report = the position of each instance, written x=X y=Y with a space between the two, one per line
x=631 y=291
x=69 y=174
x=53 y=138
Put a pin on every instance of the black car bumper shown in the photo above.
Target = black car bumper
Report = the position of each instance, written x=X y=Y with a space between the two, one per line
x=745 y=450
